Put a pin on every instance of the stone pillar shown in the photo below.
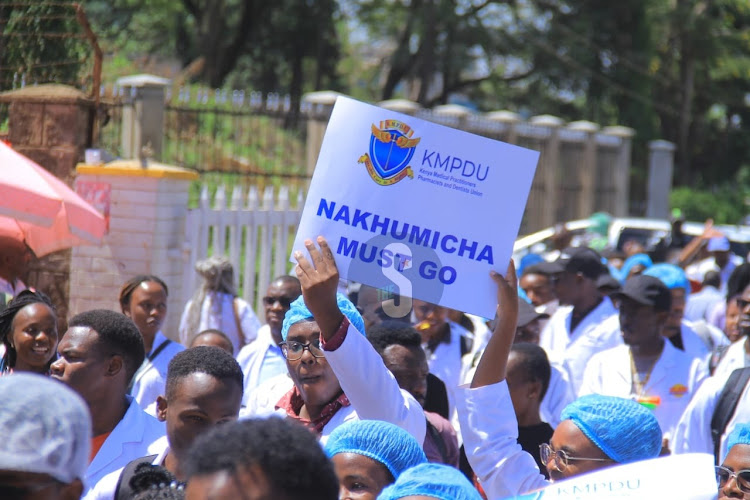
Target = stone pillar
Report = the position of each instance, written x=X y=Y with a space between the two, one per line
x=143 y=115
x=454 y=115
x=510 y=119
x=148 y=209
x=587 y=172
x=622 y=170
x=51 y=124
x=548 y=164
x=660 y=167
x=318 y=106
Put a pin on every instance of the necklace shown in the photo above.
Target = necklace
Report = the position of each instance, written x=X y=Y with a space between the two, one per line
x=638 y=383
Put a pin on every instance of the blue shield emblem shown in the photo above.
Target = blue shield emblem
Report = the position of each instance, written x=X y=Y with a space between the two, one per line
x=389 y=158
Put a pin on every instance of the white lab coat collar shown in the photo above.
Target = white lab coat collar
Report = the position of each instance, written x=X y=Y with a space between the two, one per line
x=136 y=428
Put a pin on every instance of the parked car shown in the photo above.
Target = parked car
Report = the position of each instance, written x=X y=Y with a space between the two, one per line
x=647 y=232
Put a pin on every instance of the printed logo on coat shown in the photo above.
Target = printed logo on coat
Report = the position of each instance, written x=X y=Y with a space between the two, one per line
x=678 y=390
x=391 y=149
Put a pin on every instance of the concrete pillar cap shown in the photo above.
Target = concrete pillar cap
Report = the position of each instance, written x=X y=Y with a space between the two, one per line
x=583 y=126
x=452 y=110
x=143 y=80
x=504 y=116
x=547 y=121
x=400 y=105
x=325 y=97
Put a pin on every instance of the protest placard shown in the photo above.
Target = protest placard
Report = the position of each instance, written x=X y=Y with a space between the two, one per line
x=687 y=477
x=417 y=208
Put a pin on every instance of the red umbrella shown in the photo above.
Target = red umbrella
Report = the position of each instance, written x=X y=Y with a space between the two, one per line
x=37 y=207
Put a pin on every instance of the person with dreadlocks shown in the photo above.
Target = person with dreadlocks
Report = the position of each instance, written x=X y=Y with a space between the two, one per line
x=28 y=328
x=143 y=299
x=216 y=305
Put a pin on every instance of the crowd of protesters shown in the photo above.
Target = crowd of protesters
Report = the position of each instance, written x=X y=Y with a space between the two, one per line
x=596 y=357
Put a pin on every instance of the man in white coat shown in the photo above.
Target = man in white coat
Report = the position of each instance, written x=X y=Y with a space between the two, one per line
x=596 y=431
x=573 y=333
x=98 y=356
x=647 y=368
x=738 y=354
x=263 y=360
x=335 y=375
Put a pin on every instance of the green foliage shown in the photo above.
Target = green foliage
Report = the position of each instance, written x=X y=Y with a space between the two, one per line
x=41 y=43
x=725 y=204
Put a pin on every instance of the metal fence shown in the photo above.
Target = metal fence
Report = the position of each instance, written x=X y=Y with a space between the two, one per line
x=243 y=139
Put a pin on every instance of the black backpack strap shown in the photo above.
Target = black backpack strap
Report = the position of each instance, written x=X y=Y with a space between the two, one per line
x=123 y=491
x=726 y=406
x=438 y=439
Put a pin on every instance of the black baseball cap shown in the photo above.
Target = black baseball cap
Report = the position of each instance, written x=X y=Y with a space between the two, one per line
x=646 y=290
x=527 y=313
x=582 y=260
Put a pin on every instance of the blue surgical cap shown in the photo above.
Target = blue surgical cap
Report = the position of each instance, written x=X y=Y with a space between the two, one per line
x=632 y=261
x=381 y=441
x=623 y=429
x=670 y=275
x=740 y=435
x=431 y=480
x=298 y=311
x=528 y=260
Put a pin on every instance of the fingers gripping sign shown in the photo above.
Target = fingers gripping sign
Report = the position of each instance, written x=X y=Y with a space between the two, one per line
x=319 y=278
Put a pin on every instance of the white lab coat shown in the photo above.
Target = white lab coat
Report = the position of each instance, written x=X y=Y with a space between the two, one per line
x=733 y=358
x=446 y=363
x=675 y=378
x=371 y=388
x=251 y=359
x=151 y=383
x=593 y=334
x=490 y=432
x=559 y=392
x=692 y=342
x=135 y=436
x=217 y=312
x=106 y=488
x=693 y=432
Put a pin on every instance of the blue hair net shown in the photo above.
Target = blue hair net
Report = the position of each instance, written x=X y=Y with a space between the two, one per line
x=528 y=260
x=623 y=429
x=740 y=435
x=670 y=275
x=298 y=311
x=431 y=480
x=383 y=442
x=632 y=261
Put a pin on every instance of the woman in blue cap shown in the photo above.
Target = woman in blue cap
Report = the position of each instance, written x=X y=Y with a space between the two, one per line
x=335 y=375
x=733 y=475
x=368 y=455
x=595 y=432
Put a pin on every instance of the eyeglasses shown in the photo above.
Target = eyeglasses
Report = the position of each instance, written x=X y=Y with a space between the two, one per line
x=285 y=302
x=562 y=458
x=742 y=478
x=293 y=350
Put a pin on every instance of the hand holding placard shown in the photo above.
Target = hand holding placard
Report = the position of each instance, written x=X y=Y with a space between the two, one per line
x=319 y=281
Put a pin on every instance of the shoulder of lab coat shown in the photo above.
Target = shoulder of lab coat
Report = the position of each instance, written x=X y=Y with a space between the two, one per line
x=559 y=395
x=250 y=359
x=106 y=488
x=490 y=433
x=135 y=436
x=152 y=383
x=733 y=358
x=371 y=388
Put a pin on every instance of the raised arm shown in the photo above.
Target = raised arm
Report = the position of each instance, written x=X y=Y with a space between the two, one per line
x=491 y=368
x=319 y=284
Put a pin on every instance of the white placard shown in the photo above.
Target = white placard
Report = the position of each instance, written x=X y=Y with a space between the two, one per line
x=417 y=208
x=687 y=477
